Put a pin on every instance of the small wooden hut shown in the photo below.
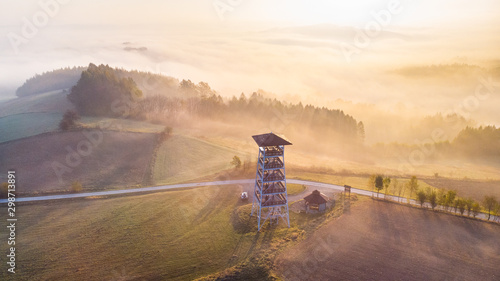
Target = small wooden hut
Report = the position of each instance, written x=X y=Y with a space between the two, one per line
x=315 y=201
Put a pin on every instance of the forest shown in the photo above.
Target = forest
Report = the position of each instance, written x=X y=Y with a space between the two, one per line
x=108 y=92
x=63 y=78
x=113 y=92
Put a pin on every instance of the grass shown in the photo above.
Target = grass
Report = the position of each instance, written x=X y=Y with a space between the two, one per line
x=183 y=158
x=54 y=101
x=465 y=188
x=121 y=124
x=474 y=189
x=119 y=160
x=174 y=235
x=24 y=125
x=28 y=124
x=294 y=189
x=359 y=182
x=410 y=244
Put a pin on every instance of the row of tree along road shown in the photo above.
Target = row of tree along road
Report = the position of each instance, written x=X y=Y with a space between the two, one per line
x=434 y=198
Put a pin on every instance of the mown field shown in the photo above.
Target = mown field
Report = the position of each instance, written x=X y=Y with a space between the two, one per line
x=385 y=241
x=474 y=189
x=54 y=101
x=360 y=182
x=294 y=189
x=174 y=235
x=117 y=124
x=28 y=124
x=118 y=160
x=182 y=158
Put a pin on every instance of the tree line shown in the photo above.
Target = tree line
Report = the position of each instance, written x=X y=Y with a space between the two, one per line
x=63 y=78
x=476 y=144
x=101 y=89
x=100 y=92
x=448 y=200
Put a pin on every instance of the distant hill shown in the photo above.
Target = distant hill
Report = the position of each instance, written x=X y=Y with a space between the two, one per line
x=65 y=78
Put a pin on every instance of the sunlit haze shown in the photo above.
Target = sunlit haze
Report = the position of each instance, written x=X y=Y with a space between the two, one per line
x=334 y=53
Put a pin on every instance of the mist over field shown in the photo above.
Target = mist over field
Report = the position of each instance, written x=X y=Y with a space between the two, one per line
x=378 y=64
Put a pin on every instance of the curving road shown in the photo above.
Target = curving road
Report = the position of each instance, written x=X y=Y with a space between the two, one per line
x=174 y=186
x=216 y=183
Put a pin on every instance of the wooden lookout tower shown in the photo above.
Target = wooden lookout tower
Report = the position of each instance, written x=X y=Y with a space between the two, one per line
x=270 y=198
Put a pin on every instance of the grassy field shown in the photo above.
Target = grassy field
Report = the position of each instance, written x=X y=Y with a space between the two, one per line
x=183 y=158
x=465 y=188
x=468 y=188
x=119 y=160
x=384 y=241
x=54 y=101
x=24 y=125
x=360 y=182
x=174 y=235
x=294 y=189
x=28 y=124
x=123 y=125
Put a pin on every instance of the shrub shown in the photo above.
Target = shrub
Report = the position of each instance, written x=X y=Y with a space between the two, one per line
x=76 y=187
x=4 y=190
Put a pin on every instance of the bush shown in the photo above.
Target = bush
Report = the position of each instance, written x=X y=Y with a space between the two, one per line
x=4 y=190
x=76 y=187
x=69 y=120
x=236 y=162
x=165 y=134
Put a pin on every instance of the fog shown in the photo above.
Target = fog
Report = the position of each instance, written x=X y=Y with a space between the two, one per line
x=313 y=54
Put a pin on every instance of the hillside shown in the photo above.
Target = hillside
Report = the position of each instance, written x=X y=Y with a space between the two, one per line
x=120 y=159
x=23 y=125
x=182 y=158
x=54 y=101
x=384 y=241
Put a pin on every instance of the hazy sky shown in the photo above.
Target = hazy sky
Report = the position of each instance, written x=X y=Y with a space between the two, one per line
x=352 y=13
x=316 y=51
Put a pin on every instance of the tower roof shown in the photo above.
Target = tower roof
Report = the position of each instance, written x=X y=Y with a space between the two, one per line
x=315 y=198
x=270 y=139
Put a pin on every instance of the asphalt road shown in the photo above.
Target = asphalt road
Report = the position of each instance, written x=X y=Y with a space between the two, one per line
x=310 y=184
